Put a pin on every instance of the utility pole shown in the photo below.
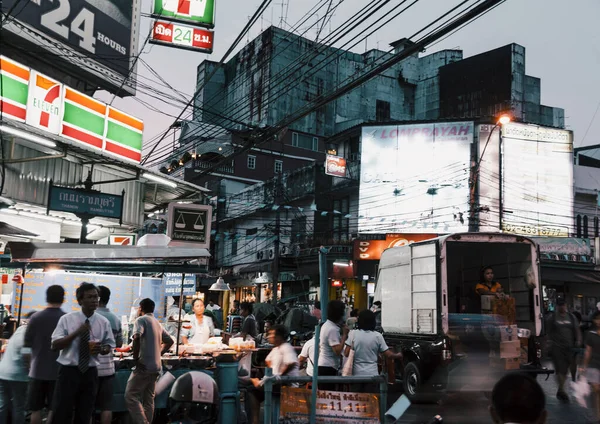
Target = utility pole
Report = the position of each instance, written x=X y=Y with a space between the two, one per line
x=277 y=196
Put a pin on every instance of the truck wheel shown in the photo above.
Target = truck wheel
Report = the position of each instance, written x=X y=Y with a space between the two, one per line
x=411 y=380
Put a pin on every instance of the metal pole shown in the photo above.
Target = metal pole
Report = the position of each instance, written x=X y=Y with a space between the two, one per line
x=313 y=395
x=500 y=182
x=383 y=388
x=268 y=396
x=323 y=282
x=324 y=294
x=83 y=233
x=179 y=314
x=277 y=199
x=21 y=297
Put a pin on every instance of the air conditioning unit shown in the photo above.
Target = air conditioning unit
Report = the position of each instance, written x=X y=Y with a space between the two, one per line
x=270 y=253
x=260 y=255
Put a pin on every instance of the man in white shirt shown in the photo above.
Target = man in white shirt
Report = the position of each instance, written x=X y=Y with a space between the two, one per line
x=150 y=342
x=331 y=343
x=80 y=337
x=307 y=355
x=212 y=306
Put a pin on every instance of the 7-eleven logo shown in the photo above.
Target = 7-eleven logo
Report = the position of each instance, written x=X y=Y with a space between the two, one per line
x=192 y=8
x=44 y=103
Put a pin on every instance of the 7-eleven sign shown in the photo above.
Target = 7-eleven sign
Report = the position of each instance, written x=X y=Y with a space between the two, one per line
x=124 y=240
x=44 y=103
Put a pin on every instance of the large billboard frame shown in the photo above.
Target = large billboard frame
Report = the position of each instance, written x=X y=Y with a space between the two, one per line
x=42 y=45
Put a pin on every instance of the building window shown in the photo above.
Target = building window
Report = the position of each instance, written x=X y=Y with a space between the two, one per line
x=251 y=162
x=234 y=245
x=305 y=142
x=382 y=111
x=278 y=166
x=341 y=224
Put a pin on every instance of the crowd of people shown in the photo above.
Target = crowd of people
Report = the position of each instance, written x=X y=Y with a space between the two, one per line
x=63 y=362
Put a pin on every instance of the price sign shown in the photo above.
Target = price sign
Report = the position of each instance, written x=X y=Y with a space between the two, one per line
x=182 y=36
x=338 y=407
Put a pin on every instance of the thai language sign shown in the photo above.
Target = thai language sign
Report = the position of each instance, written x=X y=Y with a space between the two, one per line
x=332 y=407
x=173 y=283
x=44 y=103
x=84 y=202
x=183 y=36
x=189 y=224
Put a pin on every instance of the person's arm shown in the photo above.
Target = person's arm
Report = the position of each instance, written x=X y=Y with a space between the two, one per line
x=107 y=344
x=391 y=355
x=184 y=340
x=61 y=339
x=118 y=335
x=167 y=342
x=578 y=336
x=587 y=357
x=136 y=347
x=338 y=348
x=346 y=350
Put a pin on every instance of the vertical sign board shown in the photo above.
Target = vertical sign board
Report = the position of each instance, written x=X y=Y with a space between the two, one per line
x=44 y=103
x=189 y=224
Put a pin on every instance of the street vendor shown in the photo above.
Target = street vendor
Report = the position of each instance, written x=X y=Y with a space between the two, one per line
x=201 y=326
x=487 y=285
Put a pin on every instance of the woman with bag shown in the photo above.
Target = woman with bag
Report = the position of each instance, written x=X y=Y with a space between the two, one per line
x=363 y=348
x=591 y=361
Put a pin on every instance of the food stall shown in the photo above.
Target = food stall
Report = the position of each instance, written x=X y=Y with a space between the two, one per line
x=148 y=261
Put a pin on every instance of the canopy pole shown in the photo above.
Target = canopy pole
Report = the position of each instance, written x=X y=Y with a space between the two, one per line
x=23 y=271
x=179 y=314
x=324 y=293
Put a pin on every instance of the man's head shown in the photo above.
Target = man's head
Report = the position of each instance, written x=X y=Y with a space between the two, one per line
x=268 y=326
x=246 y=309
x=211 y=303
x=104 y=293
x=147 y=306
x=561 y=305
x=278 y=334
x=518 y=398
x=55 y=295
x=376 y=306
x=335 y=311
x=596 y=319
x=236 y=304
x=87 y=297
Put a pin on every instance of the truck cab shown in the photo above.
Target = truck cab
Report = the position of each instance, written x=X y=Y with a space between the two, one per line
x=450 y=335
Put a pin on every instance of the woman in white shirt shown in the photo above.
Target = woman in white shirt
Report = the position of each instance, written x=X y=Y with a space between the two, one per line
x=202 y=327
x=368 y=344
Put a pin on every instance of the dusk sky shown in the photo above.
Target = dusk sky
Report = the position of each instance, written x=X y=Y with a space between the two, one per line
x=561 y=40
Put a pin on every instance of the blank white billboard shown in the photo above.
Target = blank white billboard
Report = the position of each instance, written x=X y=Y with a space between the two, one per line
x=415 y=178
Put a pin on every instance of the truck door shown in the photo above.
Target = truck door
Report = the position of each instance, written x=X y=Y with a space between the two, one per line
x=424 y=290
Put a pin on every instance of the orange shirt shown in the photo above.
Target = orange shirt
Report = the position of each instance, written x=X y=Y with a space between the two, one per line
x=496 y=287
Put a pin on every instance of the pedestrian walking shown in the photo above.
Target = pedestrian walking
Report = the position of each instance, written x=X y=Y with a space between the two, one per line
x=38 y=351
x=331 y=343
x=307 y=355
x=591 y=361
x=367 y=344
x=518 y=398
x=150 y=342
x=14 y=379
x=563 y=336
x=106 y=367
x=282 y=360
x=80 y=336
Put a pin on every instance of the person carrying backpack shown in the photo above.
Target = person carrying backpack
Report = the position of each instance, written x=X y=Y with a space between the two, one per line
x=563 y=336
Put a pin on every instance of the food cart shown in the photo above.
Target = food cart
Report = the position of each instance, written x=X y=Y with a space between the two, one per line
x=213 y=358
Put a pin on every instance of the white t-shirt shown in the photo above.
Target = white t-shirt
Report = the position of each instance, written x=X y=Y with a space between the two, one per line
x=308 y=351
x=215 y=307
x=283 y=355
x=330 y=336
x=367 y=347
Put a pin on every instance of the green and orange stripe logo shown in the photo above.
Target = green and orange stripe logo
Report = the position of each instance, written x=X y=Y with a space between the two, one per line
x=83 y=119
x=15 y=89
x=123 y=135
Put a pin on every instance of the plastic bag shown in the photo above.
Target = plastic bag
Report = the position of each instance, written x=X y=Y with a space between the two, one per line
x=581 y=390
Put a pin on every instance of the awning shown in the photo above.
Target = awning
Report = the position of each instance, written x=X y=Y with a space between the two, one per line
x=567 y=275
x=12 y=231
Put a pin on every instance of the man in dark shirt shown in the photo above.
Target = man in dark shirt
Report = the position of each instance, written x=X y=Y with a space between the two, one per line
x=563 y=335
x=249 y=327
x=44 y=368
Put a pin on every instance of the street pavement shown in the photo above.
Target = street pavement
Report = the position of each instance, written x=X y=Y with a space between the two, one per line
x=472 y=407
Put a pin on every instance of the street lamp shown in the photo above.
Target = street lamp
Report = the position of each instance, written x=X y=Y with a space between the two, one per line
x=220 y=285
x=502 y=120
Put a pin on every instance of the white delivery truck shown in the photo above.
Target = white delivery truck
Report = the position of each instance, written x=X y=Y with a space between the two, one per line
x=449 y=334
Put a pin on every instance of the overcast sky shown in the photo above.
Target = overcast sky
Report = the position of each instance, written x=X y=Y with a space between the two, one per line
x=561 y=38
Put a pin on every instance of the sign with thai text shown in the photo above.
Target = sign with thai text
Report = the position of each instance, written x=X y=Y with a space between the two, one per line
x=85 y=202
x=182 y=36
x=332 y=407
x=189 y=224
x=173 y=283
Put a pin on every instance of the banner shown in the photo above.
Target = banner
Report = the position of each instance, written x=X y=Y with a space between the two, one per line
x=372 y=249
x=332 y=407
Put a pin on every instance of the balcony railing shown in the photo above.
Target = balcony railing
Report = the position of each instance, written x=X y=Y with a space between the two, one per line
x=224 y=169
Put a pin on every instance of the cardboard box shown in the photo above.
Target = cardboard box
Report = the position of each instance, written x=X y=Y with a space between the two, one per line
x=506 y=308
x=510 y=349
x=524 y=350
x=512 y=364
x=508 y=333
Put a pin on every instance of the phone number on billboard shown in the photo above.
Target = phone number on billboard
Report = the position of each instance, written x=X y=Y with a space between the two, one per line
x=532 y=230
